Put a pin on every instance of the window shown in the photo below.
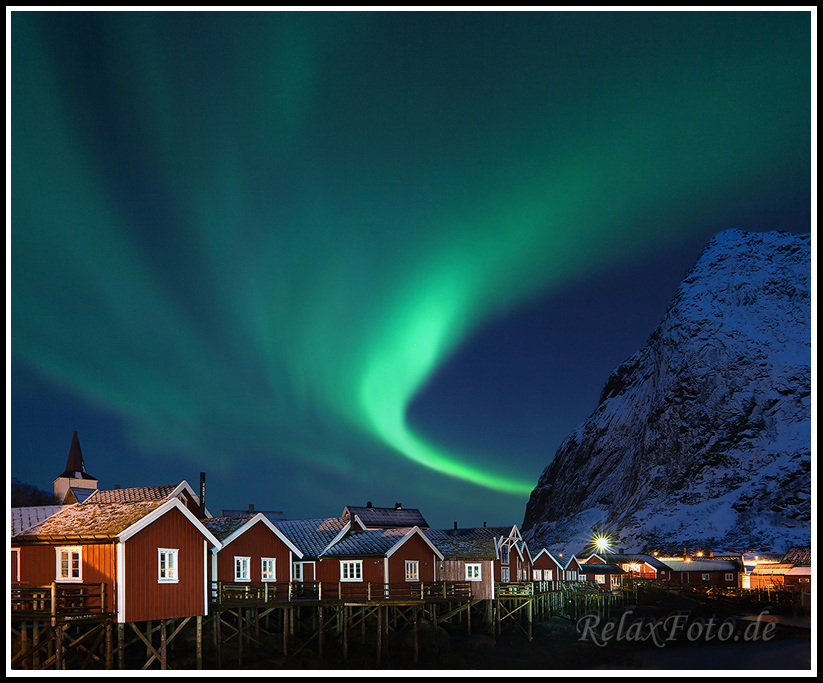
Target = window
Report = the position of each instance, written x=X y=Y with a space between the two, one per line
x=351 y=570
x=412 y=570
x=571 y=575
x=267 y=570
x=547 y=574
x=472 y=572
x=706 y=577
x=166 y=565
x=504 y=554
x=600 y=578
x=504 y=574
x=537 y=575
x=69 y=564
x=297 y=570
x=241 y=568
x=730 y=577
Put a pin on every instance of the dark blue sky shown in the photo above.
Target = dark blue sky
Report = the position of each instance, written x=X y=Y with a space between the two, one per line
x=337 y=257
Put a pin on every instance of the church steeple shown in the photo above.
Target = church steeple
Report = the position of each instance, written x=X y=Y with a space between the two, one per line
x=75 y=483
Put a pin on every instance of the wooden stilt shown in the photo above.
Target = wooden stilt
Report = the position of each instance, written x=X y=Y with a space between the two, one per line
x=58 y=647
x=240 y=637
x=469 y=618
x=163 y=646
x=109 y=629
x=414 y=620
x=35 y=641
x=321 y=631
x=199 y=655
x=121 y=646
x=219 y=631
x=345 y=633
x=285 y=631
x=379 y=633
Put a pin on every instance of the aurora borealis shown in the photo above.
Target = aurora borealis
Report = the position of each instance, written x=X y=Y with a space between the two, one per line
x=254 y=243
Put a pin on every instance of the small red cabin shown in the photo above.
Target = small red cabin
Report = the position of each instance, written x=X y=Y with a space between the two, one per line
x=545 y=567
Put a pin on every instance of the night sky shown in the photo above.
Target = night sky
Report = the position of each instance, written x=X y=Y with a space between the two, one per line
x=331 y=258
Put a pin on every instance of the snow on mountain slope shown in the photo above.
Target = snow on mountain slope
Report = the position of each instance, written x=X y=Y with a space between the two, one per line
x=701 y=439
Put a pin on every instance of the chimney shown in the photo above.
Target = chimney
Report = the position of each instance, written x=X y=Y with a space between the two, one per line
x=202 y=495
x=455 y=525
x=251 y=508
x=397 y=506
x=711 y=553
x=621 y=550
x=117 y=486
x=484 y=524
x=368 y=504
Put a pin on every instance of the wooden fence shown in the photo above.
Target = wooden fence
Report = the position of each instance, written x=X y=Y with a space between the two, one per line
x=59 y=599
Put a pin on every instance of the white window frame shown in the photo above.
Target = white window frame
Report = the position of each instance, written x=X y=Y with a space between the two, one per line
x=473 y=572
x=71 y=550
x=730 y=576
x=571 y=575
x=600 y=578
x=16 y=552
x=264 y=569
x=351 y=570
x=537 y=574
x=505 y=576
x=171 y=569
x=297 y=571
x=412 y=570
x=504 y=554
x=242 y=562
x=547 y=574
x=707 y=577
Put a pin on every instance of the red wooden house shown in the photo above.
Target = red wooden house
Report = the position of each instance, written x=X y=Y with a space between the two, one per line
x=701 y=572
x=467 y=558
x=602 y=574
x=398 y=557
x=571 y=570
x=151 y=556
x=311 y=537
x=545 y=567
x=252 y=550
x=798 y=579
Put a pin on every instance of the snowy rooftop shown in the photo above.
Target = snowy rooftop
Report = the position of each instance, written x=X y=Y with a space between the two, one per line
x=23 y=518
x=133 y=494
x=223 y=527
x=91 y=519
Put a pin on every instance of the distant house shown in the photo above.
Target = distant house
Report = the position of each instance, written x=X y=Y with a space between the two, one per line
x=252 y=550
x=469 y=558
x=312 y=537
x=150 y=555
x=387 y=518
x=605 y=576
x=74 y=485
x=638 y=565
x=572 y=570
x=271 y=515
x=798 y=579
x=768 y=575
x=705 y=572
x=546 y=567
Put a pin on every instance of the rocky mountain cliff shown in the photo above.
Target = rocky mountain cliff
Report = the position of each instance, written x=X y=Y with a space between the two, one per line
x=701 y=439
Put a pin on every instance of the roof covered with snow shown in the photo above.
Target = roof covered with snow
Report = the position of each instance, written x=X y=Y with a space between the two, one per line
x=23 y=518
x=139 y=493
x=90 y=519
x=311 y=536
x=223 y=527
x=798 y=555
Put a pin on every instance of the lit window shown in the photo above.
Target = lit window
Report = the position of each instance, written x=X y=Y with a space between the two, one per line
x=706 y=577
x=537 y=575
x=472 y=572
x=600 y=578
x=351 y=570
x=504 y=554
x=547 y=574
x=241 y=569
x=167 y=565
x=504 y=574
x=571 y=575
x=268 y=569
x=69 y=564
x=412 y=570
x=729 y=577
x=297 y=570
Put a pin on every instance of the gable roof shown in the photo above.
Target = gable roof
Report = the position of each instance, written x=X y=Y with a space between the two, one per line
x=80 y=495
x=552 y=557
x=465 y=547
x=85 y=521
x=374 y=517
x=601 y=569
x=144 y=493
x=25 y=517
x=312 y=536
x=383 y=542
x=798 y=555
x=678 y=565
x=227 y=529
x=75 y=467
x=272 y=515
x=770 y=569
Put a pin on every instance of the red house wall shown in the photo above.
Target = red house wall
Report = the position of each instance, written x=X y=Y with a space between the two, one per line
x=145 y=598
x=545 y=562
x=257 y=542
x=38 y=566
x=413 y=549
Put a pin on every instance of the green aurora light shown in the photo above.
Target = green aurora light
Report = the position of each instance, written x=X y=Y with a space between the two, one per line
x=244 y=224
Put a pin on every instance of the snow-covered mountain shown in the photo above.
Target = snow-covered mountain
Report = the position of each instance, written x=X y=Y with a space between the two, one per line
x=702 y=439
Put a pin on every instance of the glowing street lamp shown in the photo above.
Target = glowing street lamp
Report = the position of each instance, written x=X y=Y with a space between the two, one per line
x=602 y=543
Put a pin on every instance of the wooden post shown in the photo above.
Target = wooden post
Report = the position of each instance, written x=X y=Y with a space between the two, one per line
x=379 y=633
x=109 y=629
x=218 y=628
x=322 y=628
x=149 y=638
x=199 y=655
x=345 y=633
x=529 y=619
x=240 y=617
x=24 y=643
x=257 y=627
x=469 y=618
x=35 y=641
x=285 y=631
x=121 y=645
x=58 y=646
x=414 y=620
x=163 y=659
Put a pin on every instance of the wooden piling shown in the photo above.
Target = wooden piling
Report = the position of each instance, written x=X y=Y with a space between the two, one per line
x=199 y=655
x=240 y=637
x=414 y=619
x=58 y=647
x=379 y=633
x=320 y=633
x=345 y=633
x=163 y=659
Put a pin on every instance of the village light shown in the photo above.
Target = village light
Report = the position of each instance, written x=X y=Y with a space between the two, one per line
x=602 y=543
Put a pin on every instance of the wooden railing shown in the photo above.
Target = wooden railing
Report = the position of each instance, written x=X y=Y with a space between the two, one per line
x=279 y=591
x=513 y=589
x=59 y=599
